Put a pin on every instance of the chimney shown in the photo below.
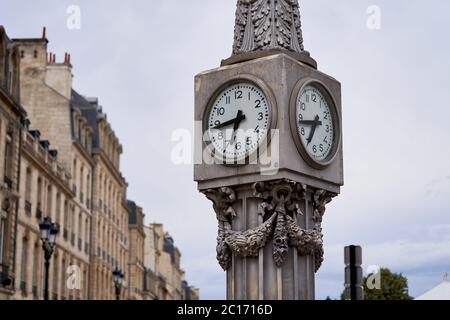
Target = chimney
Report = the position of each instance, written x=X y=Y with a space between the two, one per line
x=65 y=58
x=44 y=32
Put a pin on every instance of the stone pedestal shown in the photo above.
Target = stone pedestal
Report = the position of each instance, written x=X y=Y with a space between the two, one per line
x=270 y=239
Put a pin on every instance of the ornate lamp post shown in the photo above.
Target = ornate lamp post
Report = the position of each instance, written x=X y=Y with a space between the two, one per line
x=49 y=231
x=118 y=281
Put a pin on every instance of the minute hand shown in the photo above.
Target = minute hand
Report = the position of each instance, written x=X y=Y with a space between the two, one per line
x=311 y=122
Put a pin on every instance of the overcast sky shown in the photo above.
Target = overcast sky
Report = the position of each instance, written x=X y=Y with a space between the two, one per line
x=140 y=58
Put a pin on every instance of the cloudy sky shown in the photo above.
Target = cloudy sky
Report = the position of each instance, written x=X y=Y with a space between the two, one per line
x=140 y=58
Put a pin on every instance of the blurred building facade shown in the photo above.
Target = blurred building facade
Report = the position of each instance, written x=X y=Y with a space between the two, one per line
x=60 y=158
x=162 y=267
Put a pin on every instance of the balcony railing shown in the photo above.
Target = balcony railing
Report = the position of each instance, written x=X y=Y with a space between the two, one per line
x=28 y=208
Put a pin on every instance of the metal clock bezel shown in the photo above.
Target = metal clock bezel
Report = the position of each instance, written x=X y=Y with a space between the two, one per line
x=273 y=116
x=298 y=89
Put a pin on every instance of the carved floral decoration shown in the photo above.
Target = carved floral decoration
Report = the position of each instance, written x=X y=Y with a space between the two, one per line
x=267 y=24
x=279 y=210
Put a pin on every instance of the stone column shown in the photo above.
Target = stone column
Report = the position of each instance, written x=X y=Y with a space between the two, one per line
x=270 y=239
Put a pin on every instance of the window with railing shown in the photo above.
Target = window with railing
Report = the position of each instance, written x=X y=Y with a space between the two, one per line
x=39 y=211
x=39 y=199
x=36 y=254
x=23 y=267
x=28 y=176
x=8 y=161
x=28 y=208
x=49 y=201
x=3 y=223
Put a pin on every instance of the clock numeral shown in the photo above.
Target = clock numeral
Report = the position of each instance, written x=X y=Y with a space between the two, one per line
x=321 y=148
x=228 y=100
x=220 y=135
x=314 y=98
x=307 y=98
x=217 y=123
x=302 y=131
x=300 y=117
x=325 y=115
x=303 y=106
x=327 y=129
x=221 y=111
x=238 y=146
x=249 y=141
x=249 y=96
x=257 y=129
x=314 y=148
x=325 y=140
x=238 y=95
x=258 y=104
x=260 y=116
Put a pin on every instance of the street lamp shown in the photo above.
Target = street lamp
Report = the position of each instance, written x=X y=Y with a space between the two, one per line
x=49 y=231
x=118 y=281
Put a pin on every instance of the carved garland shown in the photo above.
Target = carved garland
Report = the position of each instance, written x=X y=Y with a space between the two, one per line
x=279 y=209
x=267 y=24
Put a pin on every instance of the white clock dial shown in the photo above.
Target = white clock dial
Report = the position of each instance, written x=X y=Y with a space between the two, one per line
x=315 y=123
x=238 y=121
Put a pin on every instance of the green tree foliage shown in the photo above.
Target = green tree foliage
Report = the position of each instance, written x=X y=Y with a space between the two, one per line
x=394 y=286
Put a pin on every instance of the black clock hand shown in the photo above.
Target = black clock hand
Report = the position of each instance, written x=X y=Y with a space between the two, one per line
x=313 y=129
x=311 y=122
x=240 y=117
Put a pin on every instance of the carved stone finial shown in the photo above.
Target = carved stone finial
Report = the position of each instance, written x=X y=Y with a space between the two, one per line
x=267 y=25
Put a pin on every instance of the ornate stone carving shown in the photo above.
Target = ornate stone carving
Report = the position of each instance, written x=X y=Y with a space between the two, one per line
x=267 y=24
x=279 y=209
x=248 y=243
x=223 y=200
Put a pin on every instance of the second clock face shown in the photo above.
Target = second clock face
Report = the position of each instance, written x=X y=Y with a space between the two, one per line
x=238 y=121
x=315 y=123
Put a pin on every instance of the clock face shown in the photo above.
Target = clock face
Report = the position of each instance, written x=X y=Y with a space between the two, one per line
x=316 y=124
x=238 y=121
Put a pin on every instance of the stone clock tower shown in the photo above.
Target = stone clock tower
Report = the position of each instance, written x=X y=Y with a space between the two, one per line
x=268 y=100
